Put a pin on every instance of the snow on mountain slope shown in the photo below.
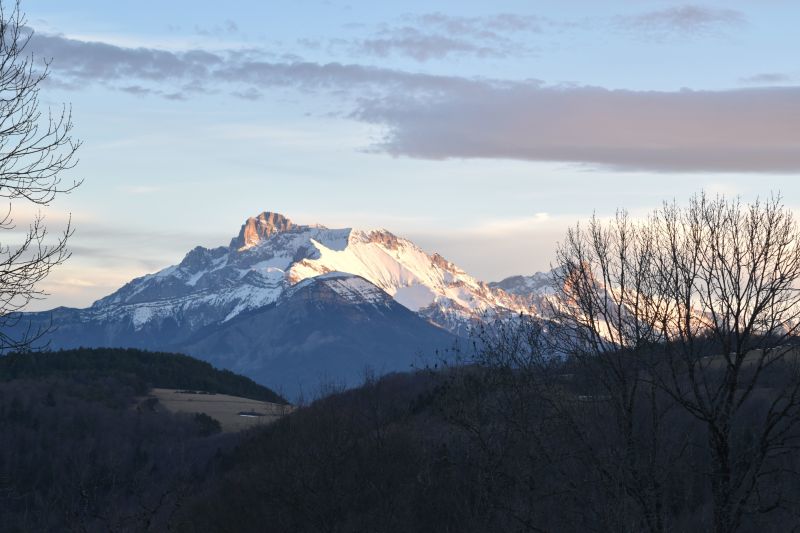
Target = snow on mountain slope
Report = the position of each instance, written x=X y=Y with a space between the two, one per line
x=525 y=285
x=272 y=254
x=535 y=291
x=427 y=284
x=350 y=288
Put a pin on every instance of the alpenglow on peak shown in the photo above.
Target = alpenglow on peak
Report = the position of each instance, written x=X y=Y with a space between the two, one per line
x=255 y=229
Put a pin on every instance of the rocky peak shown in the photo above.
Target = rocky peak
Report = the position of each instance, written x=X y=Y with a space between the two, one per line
x=441 y=262
x=255 y=229
x=200 y=258
x=385 y=238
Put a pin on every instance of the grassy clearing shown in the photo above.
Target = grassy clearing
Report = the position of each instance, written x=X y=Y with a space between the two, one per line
x=233 y=412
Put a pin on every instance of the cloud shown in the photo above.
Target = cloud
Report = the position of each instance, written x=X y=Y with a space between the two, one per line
x=438 y=36
x=683 y=21
x=251 y=93
x=177 y=75
x=767 y=78
x=94 y=61
x=439 y=117
x=530 y=240
x=228 y=27
x=137 y=90
x=753 y=130
x=413 y=43
x=492 y=27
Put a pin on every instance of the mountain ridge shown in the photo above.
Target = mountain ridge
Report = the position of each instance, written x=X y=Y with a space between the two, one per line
x=271 y=253
x=398 y=299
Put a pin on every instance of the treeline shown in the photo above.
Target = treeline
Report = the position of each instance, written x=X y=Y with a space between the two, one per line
x=142 y=370
x=473 y=449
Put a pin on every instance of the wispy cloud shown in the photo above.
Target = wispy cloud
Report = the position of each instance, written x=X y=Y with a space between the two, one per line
x=438 y=36
x=227 y=27
x=177 y=75
x=767 y=78
x=682 y=21
x=423 y=46
x=486 y=27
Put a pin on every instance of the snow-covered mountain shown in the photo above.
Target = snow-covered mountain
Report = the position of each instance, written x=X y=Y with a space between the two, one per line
x=287 y=304
x=327 y=328
x=271 y=254
x=535 y=292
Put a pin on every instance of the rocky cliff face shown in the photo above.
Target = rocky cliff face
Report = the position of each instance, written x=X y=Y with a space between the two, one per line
x=259 y=228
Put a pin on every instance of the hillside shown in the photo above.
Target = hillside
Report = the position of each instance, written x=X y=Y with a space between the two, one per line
x=142 y=370
x=470 y=449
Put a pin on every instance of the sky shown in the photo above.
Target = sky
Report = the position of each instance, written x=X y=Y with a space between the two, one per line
x=480 y=130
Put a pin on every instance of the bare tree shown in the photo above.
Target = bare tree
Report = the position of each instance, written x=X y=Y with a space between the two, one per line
x=693 y=308
x=605 y=442
x=36 y=148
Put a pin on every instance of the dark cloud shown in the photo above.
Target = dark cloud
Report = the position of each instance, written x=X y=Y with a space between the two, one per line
x=439 y=117
x=767 y=78
x=683 y=21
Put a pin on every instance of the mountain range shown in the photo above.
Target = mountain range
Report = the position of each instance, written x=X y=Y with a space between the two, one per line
x=289 y=305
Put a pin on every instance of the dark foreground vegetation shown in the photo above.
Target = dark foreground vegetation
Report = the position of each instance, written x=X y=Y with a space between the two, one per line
x=76 y=454
x=477 y=449
x=471 y=448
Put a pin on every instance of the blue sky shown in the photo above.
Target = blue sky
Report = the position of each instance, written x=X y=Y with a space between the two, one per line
x=481 y=130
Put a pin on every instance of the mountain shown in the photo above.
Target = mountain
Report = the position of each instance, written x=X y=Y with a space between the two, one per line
x=328 y=328
x=535 y=292
x=525 y=285
x=240 y=306
x=271 y=254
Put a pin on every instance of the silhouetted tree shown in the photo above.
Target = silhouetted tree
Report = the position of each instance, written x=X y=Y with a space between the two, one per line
x=694 y=309
x=36 y=147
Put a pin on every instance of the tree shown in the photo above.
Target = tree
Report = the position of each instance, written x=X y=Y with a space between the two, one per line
x=694 y=309
x=558 y=424
x=36 y=148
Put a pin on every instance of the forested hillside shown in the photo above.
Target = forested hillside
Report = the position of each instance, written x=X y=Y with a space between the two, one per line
x=139 y=369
